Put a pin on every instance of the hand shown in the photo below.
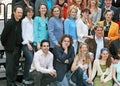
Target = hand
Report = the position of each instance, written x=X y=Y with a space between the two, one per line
x=102 y=81
x=107 y=38
x=89 y=80
x=29 y=47
x=38 y=45
x=53 y=73
x=66 y=61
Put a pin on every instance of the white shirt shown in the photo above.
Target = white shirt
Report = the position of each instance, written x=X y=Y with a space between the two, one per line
x=82 y=30
x=27 y=30
x=100 y=45
x=41 y=62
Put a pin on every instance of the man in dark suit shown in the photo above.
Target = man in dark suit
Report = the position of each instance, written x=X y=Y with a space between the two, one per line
x=116 y=3
x=108 y=6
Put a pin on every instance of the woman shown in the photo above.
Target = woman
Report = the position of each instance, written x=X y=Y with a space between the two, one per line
x=55 y=26
x=63 y=58
x=70 y=25
x=80 y=6
x=81 y=64
x=83 y=26
x=63 y=4
x=95 y=11
x=27 y=35
x=102 y=69
x=40 y=26
x=116 y=71
x=110 y=28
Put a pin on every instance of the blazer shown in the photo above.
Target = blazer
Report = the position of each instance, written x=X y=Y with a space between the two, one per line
x=93 y=45
x=59 y=59
x=116 y=4
x=113 y=30
x=115 y=16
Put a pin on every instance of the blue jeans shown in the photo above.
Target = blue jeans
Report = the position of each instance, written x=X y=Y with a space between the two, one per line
x=28 y=61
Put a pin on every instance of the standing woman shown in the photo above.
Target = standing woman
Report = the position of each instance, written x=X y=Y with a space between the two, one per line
x=70 y=25
x=40 y=26
x=81 y=64
x=95 y=11
x=63 y=58
x=83 y=26
x=27 y=35
x=55 y=26
x=102 y=69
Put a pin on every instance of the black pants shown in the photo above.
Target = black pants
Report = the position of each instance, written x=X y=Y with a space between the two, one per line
x=12 y=66
x=41 y=79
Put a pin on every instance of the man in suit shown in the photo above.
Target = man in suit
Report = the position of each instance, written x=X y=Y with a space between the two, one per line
x=116 y=3
x=98 y=42
x=108 y=6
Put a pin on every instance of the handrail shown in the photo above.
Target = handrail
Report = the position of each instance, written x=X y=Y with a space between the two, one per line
x=4 y=12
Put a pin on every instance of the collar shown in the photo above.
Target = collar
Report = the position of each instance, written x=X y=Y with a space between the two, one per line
x=108 y=8
x=98 y=39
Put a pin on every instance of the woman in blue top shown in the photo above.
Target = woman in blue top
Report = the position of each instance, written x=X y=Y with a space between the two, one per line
x=40 y=26
x=55 y=26
x=116 y=70
x=70 y=25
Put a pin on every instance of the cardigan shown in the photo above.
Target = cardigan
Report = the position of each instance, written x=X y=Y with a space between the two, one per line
x=97 y=69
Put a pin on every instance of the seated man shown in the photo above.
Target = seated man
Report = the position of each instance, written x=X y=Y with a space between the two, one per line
x=42 y=71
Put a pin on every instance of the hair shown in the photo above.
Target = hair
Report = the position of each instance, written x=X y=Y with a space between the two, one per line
x=108 y=61
x=79 y=55
x=96 y=5
x=118 y=52
x=70 y=9
x=39 y=14
x=28 y=9
x=51 y=12
x=66 y=36
x=98 y=26
x=17 y=6
x=108 y=11
x=43 y=41
x=85 y=10
x=81 y=5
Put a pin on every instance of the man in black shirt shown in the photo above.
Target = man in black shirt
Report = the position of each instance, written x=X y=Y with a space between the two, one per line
x=11 y=39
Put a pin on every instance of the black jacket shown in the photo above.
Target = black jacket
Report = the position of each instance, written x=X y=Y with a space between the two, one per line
x=12 y=35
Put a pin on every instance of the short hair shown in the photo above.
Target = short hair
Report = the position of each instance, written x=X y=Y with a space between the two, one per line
x=66 y=36
x=106 y=11
x=86 y=10
x=17 y=6
x=98 y=26
x=28 y=9
x=43 y=41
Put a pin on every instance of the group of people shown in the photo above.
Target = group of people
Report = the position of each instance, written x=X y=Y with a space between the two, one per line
x=64 y=42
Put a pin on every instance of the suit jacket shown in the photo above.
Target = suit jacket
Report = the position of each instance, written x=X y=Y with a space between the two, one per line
x=59 y=61
x=116 y=4
x=116 y=13
x=93 y=45
x=114 y=46
x=113 y=30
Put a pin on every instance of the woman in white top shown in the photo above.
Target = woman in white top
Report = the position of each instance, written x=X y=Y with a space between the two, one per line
x=27 y=35
x=83 y=26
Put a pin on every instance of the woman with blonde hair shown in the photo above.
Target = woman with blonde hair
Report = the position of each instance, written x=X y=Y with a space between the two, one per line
x=95 y=11
x=80 y=66
x=70 y=25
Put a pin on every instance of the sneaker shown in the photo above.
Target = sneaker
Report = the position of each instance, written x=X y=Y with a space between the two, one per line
x=27 y=82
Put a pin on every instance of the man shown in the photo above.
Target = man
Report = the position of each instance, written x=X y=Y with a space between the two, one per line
x=98 y=42
x=11 y=39
x=108 y=6
x=24 y=4
x=116 y=3
x=114 y=46
x=42 y=71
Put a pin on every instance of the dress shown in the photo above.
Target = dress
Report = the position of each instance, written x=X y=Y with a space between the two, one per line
x=97 y=78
